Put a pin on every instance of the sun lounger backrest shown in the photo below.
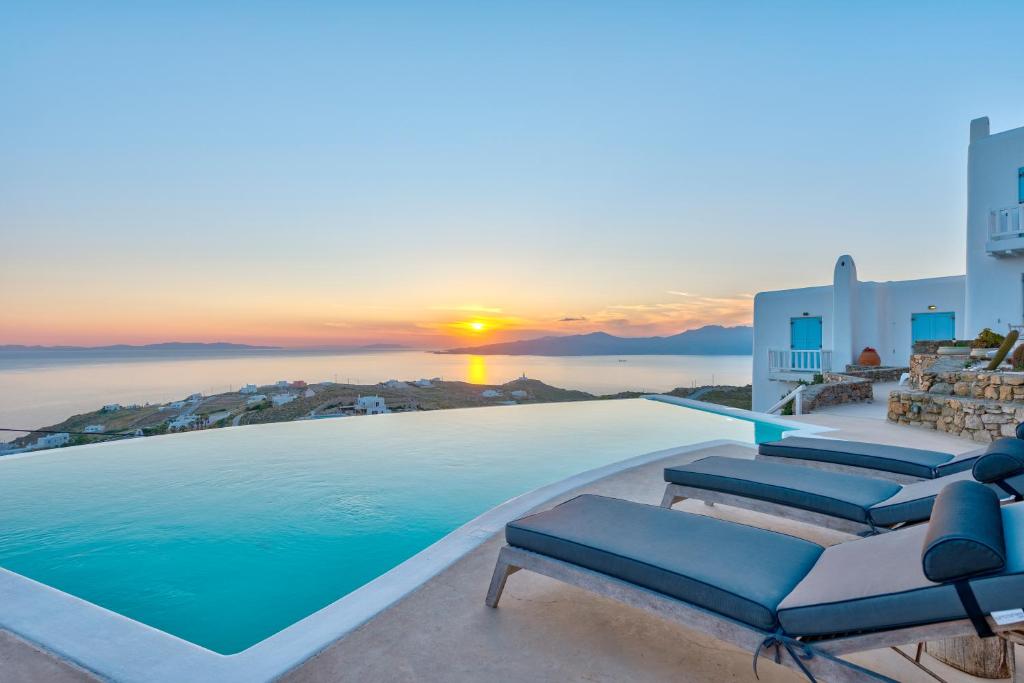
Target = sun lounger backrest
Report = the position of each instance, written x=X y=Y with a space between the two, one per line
x=1002 y=464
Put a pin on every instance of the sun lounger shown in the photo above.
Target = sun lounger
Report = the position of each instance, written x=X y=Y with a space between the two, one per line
x=902 y=465
x=836 y=500
x=781 y=597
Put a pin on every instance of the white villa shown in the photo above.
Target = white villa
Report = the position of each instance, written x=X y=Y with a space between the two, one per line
x=183 y=422
x=94 y=429
x=248 y=389
x=51 y=441
x=371 y=405
x=801 y=332
x=281 y=399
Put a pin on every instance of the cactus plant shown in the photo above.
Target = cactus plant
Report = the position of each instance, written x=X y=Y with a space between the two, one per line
x=1017 y=358
x=1004 y=349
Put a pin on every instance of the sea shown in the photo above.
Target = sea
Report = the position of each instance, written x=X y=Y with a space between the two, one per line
x=44 y=388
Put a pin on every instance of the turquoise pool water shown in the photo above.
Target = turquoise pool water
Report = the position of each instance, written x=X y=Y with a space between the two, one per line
x=225 y=537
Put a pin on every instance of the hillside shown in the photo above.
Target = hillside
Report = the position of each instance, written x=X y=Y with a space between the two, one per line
x=708 y=340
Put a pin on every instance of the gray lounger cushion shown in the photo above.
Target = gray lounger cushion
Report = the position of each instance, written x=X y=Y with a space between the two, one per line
x=914 y=501
x=965 y=534
x=849 y=496
x=878 y=583
x=913 y=462
x=735 y=570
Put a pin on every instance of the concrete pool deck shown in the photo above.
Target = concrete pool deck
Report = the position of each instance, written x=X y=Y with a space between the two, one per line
x=545 y=630
x=548 y=631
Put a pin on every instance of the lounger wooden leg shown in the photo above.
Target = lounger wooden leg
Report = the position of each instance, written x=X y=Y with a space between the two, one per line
x=502 y=570
x=836 y=670
x=670 y=498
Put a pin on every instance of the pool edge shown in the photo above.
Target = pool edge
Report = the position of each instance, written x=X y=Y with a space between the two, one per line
x=111 y=646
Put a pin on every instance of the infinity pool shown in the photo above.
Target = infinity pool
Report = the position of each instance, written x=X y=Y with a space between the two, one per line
x=225 y=537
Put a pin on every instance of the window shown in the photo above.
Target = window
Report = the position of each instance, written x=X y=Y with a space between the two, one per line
x=1020 y=185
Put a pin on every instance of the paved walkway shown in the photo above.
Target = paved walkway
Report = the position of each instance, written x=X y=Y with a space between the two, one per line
x=876 y=409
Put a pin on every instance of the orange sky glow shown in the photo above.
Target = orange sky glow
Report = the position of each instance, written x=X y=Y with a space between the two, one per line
x=286 y=324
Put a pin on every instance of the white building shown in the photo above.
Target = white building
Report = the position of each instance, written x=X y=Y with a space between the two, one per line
x=177 y=405
x=371 y=405
x=518 y=393
x=195 y=398
x=254 y=399
x=51 y=441
x=113 y=407
x=395 y=384
x=490 y=393
x=801 y=332
x=183 y=422
x=282 y=383
x=424 y=383
x=308 y=393
x=248 y=389
x=281 y=399
x=93 y=429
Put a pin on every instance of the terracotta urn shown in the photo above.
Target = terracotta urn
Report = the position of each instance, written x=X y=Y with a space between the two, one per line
x=869 y=357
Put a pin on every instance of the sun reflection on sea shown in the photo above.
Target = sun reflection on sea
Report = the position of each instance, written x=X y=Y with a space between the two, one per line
x=476 y=371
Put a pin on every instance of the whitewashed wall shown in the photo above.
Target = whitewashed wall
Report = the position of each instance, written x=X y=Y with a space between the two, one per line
x=772 y=311
x=879 y=317
x=995 y=292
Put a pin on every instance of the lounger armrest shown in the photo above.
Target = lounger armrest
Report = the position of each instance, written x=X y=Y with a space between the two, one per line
x=965 y=534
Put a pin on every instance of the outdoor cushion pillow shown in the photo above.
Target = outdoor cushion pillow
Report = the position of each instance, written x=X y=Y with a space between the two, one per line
x=965 y=534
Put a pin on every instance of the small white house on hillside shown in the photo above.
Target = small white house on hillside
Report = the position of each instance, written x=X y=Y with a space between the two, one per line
x=801 y=332
x=248 y=389
x=371 y=405
x=51 y=441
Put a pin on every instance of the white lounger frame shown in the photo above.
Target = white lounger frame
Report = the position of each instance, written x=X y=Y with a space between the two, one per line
x=824 y=665
x=677 y=492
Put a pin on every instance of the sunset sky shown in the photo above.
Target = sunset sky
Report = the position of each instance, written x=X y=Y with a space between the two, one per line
x=323 y=173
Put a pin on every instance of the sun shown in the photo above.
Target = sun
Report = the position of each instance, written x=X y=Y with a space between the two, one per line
x=477 y=326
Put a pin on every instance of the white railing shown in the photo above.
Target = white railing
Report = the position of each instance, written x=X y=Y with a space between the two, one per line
x=796 y=396
x=799 y=360
x=1005 y=223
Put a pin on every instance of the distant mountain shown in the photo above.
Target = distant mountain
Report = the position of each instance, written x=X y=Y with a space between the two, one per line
x=384 y=347
x=165 y=346
x=711 y=340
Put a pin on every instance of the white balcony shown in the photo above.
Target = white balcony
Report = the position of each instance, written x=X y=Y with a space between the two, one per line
x=1006 y=231
x=793 y=364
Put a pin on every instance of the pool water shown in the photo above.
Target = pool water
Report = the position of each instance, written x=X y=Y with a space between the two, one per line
x=224 y=537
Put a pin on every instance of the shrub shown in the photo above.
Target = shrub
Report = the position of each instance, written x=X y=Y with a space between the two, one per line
x=987 y=339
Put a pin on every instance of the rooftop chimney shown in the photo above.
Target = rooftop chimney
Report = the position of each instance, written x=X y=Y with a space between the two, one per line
x=979 y=128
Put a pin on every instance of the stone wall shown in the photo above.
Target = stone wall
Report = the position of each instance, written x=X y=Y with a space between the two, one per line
x=876 y=373
x=978 y=419
x=836 y=390
x=922 y=363
x=994 y=386
x=931 y=347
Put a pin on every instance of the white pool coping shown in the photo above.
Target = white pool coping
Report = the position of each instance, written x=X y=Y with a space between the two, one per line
x=114 y=647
